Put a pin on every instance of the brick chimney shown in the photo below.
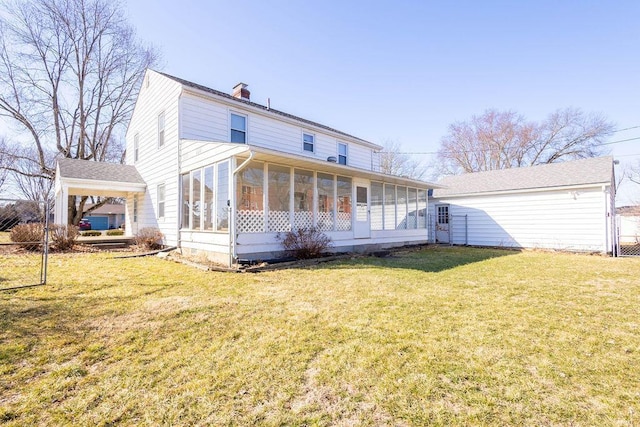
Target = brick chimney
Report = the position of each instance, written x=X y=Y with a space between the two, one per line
x=240 y=91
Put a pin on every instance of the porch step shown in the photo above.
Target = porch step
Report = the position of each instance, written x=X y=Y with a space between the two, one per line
x=106 y=243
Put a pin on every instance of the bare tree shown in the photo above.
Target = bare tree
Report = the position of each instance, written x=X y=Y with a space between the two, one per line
x=394 y=162
x=69 y=72
x=502 y=140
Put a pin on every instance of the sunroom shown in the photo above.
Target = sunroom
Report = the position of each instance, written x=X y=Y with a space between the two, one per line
x=237 y=204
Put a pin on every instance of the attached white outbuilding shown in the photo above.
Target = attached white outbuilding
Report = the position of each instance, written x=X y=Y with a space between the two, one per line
x=564 y=206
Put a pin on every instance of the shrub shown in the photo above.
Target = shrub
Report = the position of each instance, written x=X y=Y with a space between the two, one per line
x=91 y=233
x=63 y=237
x=115 y=232
x=30 y=236
x=149 y=238
x=305 y=243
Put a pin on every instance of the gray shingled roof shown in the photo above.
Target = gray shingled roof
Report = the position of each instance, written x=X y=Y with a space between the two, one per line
x=99 y=171
x=262 y=107
x=597 y=170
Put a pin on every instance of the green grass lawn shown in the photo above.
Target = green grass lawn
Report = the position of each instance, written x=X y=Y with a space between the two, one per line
x=440 y=336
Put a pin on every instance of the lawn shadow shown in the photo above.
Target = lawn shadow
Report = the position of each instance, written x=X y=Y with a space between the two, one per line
x=431 y=258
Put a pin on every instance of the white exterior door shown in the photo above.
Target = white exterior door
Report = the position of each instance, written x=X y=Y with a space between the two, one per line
x=442 y=224
x=362 y=223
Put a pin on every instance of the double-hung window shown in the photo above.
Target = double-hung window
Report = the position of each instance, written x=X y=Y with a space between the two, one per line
x=161 y=196
x=342 y=153
x=136 y=146
x=161 y=129
x=308 y=142
x=238 y=128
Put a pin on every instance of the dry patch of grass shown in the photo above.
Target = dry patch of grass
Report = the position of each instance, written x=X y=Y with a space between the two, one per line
x=440 y=336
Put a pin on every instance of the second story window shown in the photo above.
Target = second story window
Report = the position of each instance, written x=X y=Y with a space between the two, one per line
x=238 y=128
x=342 y=153
x=161 y=129
x=136 y=147
x=308 y=141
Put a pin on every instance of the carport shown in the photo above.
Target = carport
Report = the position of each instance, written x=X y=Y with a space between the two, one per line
x=88 y=178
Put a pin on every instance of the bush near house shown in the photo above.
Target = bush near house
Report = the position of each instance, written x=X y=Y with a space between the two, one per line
x=305 y=243
x=149 y=238
x=115 y=232
x=91 y=233
x=63 y=237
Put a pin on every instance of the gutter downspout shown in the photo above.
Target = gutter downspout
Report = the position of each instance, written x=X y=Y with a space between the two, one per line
x=232 y=219
x=179 y=156
x=179 y=210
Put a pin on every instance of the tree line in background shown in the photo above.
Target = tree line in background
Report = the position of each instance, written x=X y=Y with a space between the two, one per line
x=69 y=74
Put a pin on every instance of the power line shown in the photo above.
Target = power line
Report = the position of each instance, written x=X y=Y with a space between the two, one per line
x=629 y=128
x=622 y=140
x=470 y=151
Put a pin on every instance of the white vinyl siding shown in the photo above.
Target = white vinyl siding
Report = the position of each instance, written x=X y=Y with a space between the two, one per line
x=156 y=166
x=206 y=120
x=559 y=219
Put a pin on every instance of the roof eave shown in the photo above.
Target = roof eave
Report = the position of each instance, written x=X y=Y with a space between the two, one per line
x=523 y=190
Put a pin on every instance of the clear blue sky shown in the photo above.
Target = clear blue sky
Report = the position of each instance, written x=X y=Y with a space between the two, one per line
x=405 y=70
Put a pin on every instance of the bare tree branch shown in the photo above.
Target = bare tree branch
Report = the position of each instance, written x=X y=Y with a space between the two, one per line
x=501 y=140
x=394 y=162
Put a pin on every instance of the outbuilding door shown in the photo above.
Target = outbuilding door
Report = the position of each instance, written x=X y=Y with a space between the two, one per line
x=362 y=226
x=99 y=222
x=442 y=224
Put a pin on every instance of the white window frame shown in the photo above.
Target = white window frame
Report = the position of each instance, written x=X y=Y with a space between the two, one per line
x=161 y=200
x=346 y=153
x=245 y=130
x=161 y=129
x=136 y=146
x=313 y=142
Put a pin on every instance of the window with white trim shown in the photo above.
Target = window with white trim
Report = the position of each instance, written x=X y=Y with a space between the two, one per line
x=160 y=129
x=238 y=128
x=136 y=146
x=342 y=153
x=208 y=201
x=308 y=142
x=196 y=199
x=161 y=200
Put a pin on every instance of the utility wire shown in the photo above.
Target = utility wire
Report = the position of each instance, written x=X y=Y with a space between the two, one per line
x=435 y=152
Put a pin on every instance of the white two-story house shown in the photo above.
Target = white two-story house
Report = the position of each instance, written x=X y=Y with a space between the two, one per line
x=225 y=176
